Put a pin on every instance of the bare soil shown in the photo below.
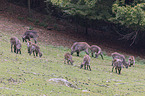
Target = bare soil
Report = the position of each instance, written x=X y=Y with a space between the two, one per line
x=15 y=19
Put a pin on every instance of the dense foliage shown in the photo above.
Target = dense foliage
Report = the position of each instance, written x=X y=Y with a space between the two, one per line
x=131 y=16
x=91 y=9
x=83 y=12
x=127 y=14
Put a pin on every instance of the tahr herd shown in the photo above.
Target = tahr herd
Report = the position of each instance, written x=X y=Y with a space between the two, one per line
x=118 y=61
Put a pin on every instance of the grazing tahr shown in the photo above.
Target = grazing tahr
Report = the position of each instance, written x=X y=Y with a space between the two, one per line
x=35 y=49
x=30 y=34
x=80 y=46
x=117 y=64
x=131 y=61
x=15 y=42
x=116 y=55
x=97 y=50
x=68 y=57
x=86 y=62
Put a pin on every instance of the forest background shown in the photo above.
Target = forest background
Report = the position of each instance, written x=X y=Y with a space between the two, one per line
x=117 y=20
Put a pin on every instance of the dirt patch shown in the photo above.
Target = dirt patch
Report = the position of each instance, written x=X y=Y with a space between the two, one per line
x=14 y=19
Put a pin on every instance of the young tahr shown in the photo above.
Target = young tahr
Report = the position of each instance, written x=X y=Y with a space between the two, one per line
x=118 y=65
x=15 y=42
x=86 y=62
x=116 y=55
x=35 y=49
x=68 y=58
x=131 y=61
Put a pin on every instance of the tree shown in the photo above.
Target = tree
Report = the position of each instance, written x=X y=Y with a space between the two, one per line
x=131 y=16
x=85 y=10
x=29 y=6
x=127 y=15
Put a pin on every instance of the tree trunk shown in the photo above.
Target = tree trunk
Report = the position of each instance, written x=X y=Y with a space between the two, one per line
x=86 y=26
x=29 y=7
x=86 y=29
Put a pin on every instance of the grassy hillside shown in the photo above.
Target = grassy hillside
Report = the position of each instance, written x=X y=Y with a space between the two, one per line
x=29 y=75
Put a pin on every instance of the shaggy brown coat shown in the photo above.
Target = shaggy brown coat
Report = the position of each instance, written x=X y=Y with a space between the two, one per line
x=35 y=49
x=80 y=46
x=131 y=61
x=97 y=50
x=86 y=62
x=30 y=34
x=15 y=42
x=118 y=65
x=116 y=55
x=68 y=58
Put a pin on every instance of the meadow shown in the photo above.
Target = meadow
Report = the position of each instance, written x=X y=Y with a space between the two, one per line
x=22 y=74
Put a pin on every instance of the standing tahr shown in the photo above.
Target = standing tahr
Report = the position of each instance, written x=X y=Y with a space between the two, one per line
x=80 y=46
x=15 y=42
x=30 y=34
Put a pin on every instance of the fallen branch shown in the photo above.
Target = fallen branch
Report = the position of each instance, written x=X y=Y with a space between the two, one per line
x=117 y=31
x=134 y=37
x=130 y=36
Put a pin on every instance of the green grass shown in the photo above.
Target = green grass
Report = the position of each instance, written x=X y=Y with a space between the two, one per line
x=29 y=75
